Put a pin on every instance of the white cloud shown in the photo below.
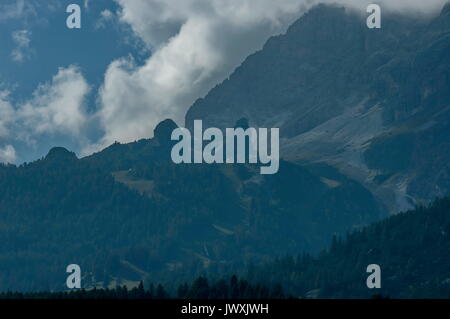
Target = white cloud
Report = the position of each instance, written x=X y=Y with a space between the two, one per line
x=7 y=154
x=55 y=109
x=12 y=10
x=6 y=114
x=22 y=39
x=196 y=44
x=57 y=106
x=106 y=16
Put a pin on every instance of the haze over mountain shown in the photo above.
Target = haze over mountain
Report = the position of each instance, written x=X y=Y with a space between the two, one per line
x=373 y=103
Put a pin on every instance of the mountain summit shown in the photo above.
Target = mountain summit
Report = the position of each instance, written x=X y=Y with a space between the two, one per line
x=60 y=154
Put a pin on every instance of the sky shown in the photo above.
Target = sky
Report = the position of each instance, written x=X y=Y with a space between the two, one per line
x=132 y=64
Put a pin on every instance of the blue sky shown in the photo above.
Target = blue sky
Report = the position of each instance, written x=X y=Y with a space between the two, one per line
x=53 y=45
x=36 y=43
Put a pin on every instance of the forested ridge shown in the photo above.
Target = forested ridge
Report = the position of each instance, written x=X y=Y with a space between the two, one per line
x=412 y=249
x=128 y=214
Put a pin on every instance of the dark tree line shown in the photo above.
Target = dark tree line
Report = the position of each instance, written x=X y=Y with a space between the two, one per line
x=201 y=288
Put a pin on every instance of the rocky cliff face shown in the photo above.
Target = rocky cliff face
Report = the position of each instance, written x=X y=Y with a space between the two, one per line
x=372 y=103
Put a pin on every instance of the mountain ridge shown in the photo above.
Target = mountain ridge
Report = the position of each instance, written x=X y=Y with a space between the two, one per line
x=370 y=138
x=343 y=94
x=129 y=207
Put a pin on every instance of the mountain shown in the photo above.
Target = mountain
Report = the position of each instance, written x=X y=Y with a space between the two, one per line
x=373 y=103
x=364 y=124
x=128 y=213
x=412 y=250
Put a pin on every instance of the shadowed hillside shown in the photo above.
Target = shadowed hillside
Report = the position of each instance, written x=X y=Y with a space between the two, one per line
x=411 y=248
x=128 y=213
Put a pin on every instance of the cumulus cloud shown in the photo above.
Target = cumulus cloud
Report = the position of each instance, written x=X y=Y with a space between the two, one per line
x=22 y=39
x=55 y=108
x=196 y=44
x=7 y=154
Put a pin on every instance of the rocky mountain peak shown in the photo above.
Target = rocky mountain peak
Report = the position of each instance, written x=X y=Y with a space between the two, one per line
x=60 y=154
x=163 y=130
